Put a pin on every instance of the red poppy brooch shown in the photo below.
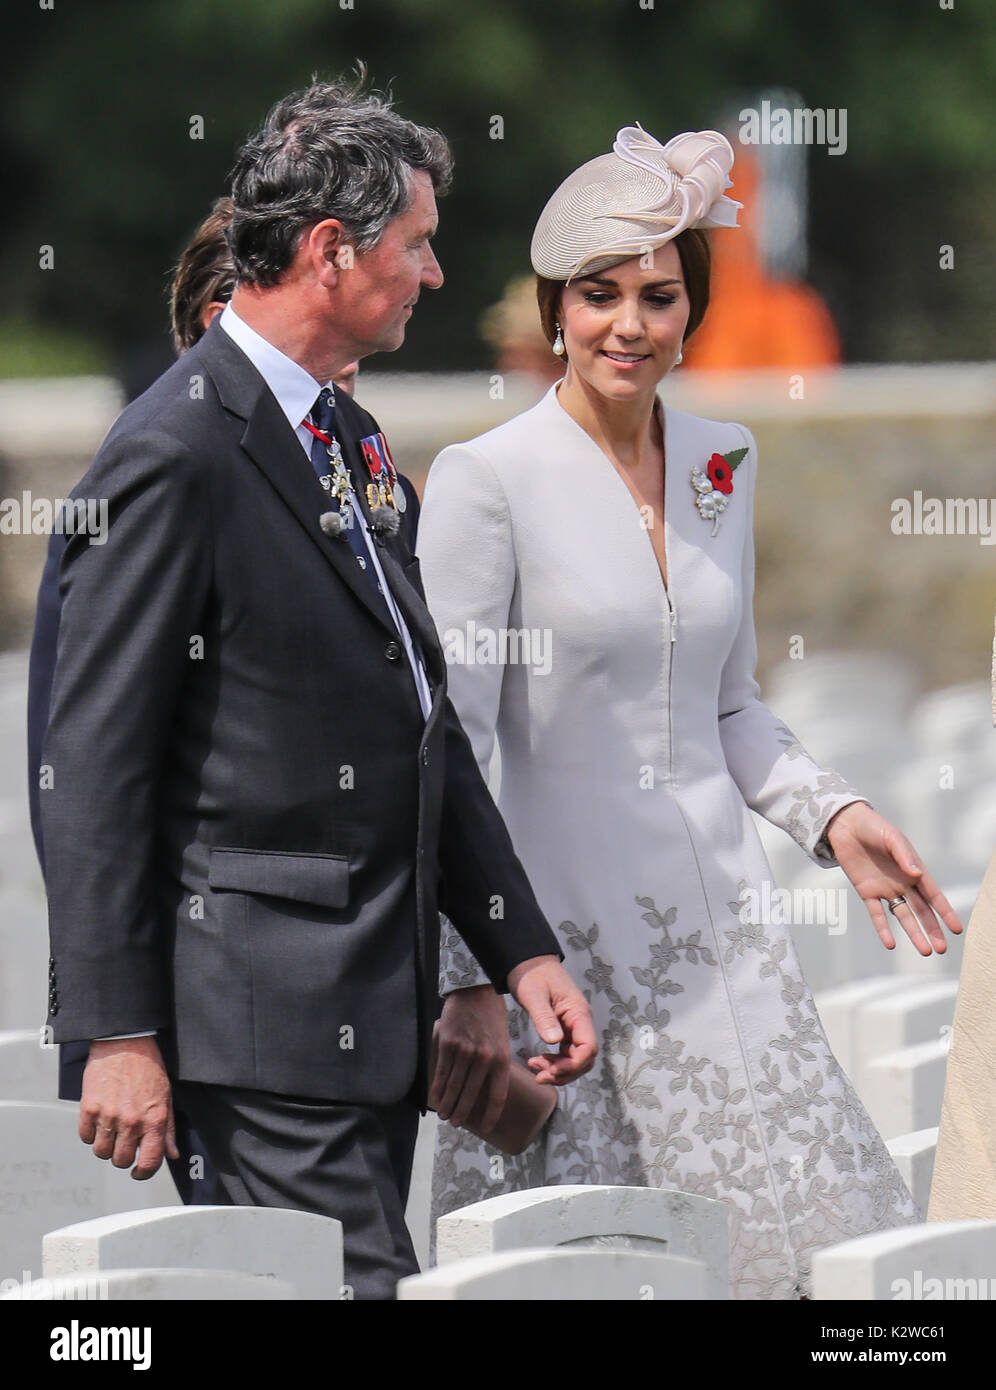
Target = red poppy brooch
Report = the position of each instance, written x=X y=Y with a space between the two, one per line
x=715 y=485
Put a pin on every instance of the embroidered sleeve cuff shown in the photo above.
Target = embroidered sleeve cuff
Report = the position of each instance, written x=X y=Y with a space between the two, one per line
x=819 y=848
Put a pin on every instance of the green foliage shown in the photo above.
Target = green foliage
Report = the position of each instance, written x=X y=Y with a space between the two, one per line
x=99 y=99
x=32 y=350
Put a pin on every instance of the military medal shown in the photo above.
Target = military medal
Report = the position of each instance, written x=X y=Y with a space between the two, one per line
x=338 y=483
x=384 y=492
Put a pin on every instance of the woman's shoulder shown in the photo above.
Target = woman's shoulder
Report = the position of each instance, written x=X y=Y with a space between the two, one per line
x=697 y=439
x=700 y=424
x=508 y=454
x=506 y=445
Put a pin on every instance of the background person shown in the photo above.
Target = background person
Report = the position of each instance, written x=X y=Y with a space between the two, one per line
x=963 y=1186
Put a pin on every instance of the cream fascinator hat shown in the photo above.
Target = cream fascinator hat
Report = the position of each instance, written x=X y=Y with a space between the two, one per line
x=638 y=197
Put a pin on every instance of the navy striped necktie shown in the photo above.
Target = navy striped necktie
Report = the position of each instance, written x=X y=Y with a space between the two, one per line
x=322 y=417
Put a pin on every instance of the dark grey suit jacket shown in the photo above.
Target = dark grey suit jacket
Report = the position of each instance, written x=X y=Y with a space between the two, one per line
x=251 y=827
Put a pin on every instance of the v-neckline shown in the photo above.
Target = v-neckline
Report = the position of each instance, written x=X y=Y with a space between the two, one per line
x=664 y=413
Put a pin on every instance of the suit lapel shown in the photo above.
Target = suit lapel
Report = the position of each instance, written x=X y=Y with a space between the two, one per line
x=276 y=451
x=407 y=597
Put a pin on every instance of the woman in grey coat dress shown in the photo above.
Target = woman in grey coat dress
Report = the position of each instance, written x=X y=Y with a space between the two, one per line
x=589 y=565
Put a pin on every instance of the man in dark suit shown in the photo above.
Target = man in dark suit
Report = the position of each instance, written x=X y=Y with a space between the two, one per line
x=260 y=797
x=202 y=285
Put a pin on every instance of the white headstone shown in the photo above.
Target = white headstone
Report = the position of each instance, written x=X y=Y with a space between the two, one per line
x=939 y=1260
x=903 y=1090
x=922 y=1012
x=151 y=1285
x=19 y=865
x=29 y=1070
x=417 y=1212
x=23 y=956
x=824 y=700
x=833 y=934
x=301 y=1247
x=839 y=1009
x=653 y=1219
x=122 y=1192
x=565 y=1275
x=49 y=1178
x=953 y=720
x=913 y=1155
x=18 y=861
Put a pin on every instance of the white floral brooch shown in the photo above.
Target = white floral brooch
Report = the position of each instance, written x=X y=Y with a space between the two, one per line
x=714 y=487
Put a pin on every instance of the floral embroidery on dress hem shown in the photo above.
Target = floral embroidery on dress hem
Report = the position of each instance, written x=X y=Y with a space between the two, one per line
x=655 y=1113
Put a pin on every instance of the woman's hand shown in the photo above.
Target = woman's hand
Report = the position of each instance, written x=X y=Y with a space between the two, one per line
x=881 y=863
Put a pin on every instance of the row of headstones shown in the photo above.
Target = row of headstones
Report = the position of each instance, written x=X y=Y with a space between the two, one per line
x=29 y=1073
x=925 y=761
x=890 y=1034
x=23 y=915
x=830 y=926
x=563 y=1243
x=953 y=828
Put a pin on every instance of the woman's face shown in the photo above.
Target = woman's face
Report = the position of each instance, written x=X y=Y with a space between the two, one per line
x=623 y=326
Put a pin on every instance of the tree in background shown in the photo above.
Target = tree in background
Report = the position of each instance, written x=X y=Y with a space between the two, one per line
x=121 y=121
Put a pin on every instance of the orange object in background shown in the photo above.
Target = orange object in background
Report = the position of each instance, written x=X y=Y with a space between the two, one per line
x=752 y=320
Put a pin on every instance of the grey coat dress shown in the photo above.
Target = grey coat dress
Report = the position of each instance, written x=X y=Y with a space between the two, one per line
x=633 y=745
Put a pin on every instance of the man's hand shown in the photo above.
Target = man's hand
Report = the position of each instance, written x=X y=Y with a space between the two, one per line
x=126 y=1106
x=560 y=1014
x=881 y=863
x=473 y=1056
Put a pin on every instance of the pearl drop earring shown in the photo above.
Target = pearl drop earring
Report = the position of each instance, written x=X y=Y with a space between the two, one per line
x=558 y=342
x=678 y=358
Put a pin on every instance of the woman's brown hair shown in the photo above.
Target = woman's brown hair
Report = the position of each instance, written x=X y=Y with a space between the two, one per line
x=693 y=252
x=204 y=275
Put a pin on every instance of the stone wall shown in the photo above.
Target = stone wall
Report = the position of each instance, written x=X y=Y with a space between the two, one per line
x=829 y=570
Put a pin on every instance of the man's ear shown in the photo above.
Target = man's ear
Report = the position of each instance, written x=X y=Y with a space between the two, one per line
x=330 y=251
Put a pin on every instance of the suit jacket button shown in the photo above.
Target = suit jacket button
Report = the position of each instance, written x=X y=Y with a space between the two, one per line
x=392 y=651
x=425 y=757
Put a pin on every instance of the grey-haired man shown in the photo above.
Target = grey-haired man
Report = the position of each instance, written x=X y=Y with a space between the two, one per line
x=261 y=796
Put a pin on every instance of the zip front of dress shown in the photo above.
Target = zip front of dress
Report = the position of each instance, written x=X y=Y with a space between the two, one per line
x=671 y=647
